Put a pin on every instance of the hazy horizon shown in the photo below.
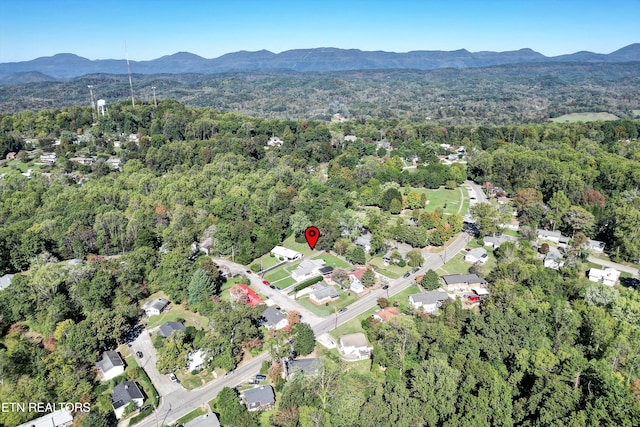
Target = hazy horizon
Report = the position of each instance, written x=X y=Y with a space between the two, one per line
x=211 y=29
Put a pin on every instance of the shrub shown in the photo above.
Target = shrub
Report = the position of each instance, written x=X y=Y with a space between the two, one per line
x=308 y=283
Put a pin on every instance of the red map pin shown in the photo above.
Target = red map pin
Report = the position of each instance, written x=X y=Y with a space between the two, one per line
x=312 y=234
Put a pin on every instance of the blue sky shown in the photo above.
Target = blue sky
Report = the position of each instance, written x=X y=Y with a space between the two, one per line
x=97 y=29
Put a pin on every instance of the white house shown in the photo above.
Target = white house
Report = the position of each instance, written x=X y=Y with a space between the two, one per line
x=274 y=141
x=195 y=360
x=495 y=242
x=350 y=138
x=286 y=253
x=554 y=260
x=364 y=242
x=323 y=293
x=355 y=278
x=60 y=418
x=123 y=394
x=274 y=319
x=354 y=347
x=110 y=366
x=596 y=246
x=477 y=255
x=608 y=276
x=207 y=420
x=429 y=301
x=155 y=307
x=552 y=236
x=307 y=269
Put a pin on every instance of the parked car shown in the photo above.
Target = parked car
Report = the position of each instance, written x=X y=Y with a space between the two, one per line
x=173 y=377
x=272 y=286
x=407 y=274
x=261 y=377
x=473 y=297
x=139 y=354
x=415 y=270
x=385 y=287
x=266 y=282
x=342 y=310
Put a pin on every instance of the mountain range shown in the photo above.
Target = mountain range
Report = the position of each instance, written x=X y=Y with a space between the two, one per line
x=66 y=65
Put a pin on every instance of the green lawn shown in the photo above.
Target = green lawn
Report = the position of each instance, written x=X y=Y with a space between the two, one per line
x=277 y=274
x=448 y=200
x=403 y=297
x=354 y=325
x=333 y=261
x=265 y=261
x=300 y=247
x=455 y=265
x=584 y=117
x=344 y=300
x=179 y=312
x=284 y=283
x=391 y=271
x=190 y=381
x=191 y=415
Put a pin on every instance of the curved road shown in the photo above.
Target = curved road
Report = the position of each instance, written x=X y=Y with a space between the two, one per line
x=180 y=402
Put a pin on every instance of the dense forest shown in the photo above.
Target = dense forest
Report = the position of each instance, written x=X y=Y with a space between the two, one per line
x=506 y=94
x=547 y=348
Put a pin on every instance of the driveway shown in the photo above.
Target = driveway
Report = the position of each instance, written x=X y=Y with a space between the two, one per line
x=161 y=382
x=619 y=267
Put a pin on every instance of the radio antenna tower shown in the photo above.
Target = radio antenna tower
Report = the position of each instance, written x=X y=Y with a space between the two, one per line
x=133 y=103
x=93 y=103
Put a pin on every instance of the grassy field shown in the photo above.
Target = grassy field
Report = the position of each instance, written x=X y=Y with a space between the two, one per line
x=333 y=261
x=455 y=265
x=178 y=312
x=344 y=300
x=265 y=261
x=354 y=325
x=277 y=274
x=448 y=200
x=190 y=381
x=303 y=248
x=584 y=117
x=391 y=271
x=403 y=297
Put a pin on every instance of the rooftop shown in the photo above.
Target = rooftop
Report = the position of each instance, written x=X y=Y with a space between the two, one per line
x=124 y=393
x=110 y=359
x=166 y=329
x=429 y=297
x=272 y=316
x=259 y=396
x=467 y=279
x=354 y=340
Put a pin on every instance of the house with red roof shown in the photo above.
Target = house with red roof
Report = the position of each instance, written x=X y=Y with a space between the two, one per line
x=244 y=293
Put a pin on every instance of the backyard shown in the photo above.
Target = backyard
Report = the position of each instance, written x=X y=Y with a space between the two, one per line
x=345 y=299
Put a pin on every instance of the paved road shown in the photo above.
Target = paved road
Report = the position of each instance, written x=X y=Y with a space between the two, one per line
x=161 y=382
x=180 y=402
x=619 y=267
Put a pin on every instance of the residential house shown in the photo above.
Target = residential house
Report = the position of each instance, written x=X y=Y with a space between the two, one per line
x=207 y=420
x=477 y=255
x=428 y=301
x=244 y=293
x=355 y=277
x=274 y=141
x=552 y=236
x=553 y=259
x=385 y=314
x=364 y=242
x=307 y=367
x=195 y=360
x=48 y=158
x=608 y=276
x=5 y=281
x=462 y=282
x=59 y=418
x=87 y=161
x=123 y=394
x=596 y=246
x=274 y=319
x=110 y=366
x=260 y=398
x=495 y=242
x=354 y=347
x=323 y=293
x=350 y=138
x=168 y=328
x=286 y=253
x=155 y=307
x=114 y=163
x=307 y=269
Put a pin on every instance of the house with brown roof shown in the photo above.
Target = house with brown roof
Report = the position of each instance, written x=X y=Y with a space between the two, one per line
x=385 y=314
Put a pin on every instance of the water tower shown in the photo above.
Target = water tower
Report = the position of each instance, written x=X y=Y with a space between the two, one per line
x=102 y=106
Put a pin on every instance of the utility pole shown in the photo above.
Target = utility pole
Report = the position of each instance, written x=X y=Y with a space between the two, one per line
x=93 y=104
x=133 y=103
x=155 y=103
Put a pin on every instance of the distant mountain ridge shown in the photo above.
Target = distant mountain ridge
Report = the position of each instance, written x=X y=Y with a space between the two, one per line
x=67 y=65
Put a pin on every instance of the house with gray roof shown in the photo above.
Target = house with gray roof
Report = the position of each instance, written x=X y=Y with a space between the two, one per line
x=168 y=328
x=354 y=347
x=462 y=282
x=260 y=398
x=274 y=319
x=553 y=259
x=110 y=366
x=323 y=293
x=495 y=242
x=477 y=255
x=123 y=394
x=552 y=236
x=307 y=269
x=207 y=420
x=428 y=301
x=60 y=418
x=303 y=366
x=155 y=307
x=5 y=281
x=596 y=246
